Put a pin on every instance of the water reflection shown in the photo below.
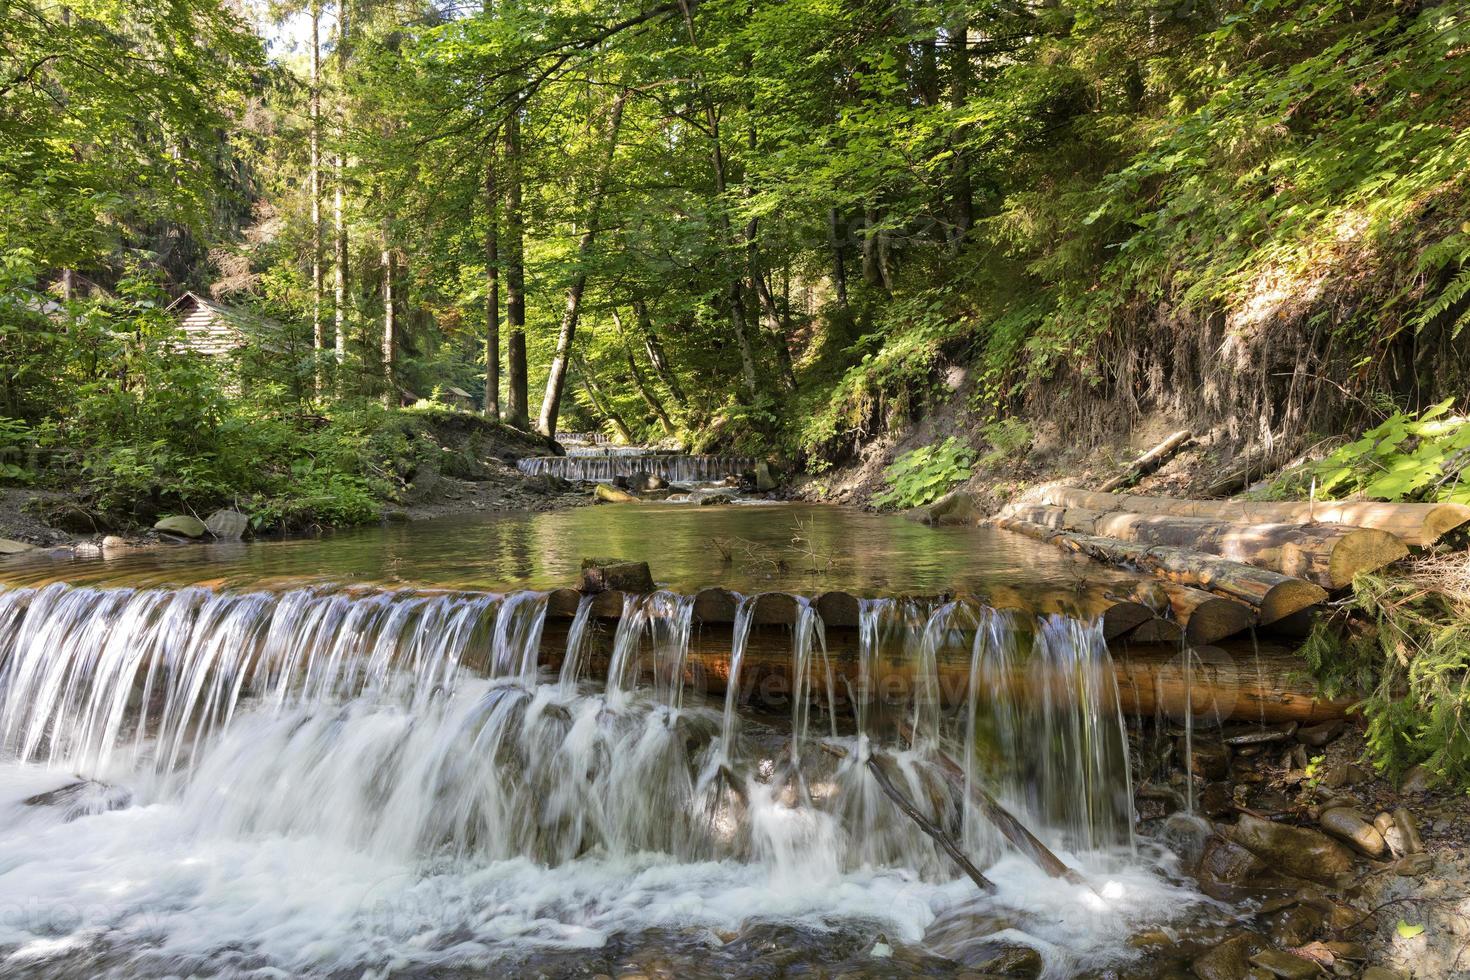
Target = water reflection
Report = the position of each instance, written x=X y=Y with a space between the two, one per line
x=793 y=547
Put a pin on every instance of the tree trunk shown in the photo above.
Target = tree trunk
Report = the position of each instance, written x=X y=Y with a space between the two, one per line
x=1149 y=461
x=518 y=401
x=839 y=262
x=1276 y=596
x=314 y=182
x=390 y=390
x=875 y=252
x=735 y=300
x=656 y=356
x=963 y=203
x=556 y=376
x=339 y=208
x=600 y=403
x=1416 y=525
x=492 y=291
x=649 y=398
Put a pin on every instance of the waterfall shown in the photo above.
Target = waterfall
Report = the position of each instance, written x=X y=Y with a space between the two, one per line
x=603 y=468
x=426 y=730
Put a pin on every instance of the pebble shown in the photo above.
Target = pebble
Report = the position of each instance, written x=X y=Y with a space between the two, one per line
x=1319 y=735
x=1417 y=780
x=1350 y=826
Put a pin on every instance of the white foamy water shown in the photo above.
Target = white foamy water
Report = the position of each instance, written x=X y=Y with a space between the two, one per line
x=317 y=783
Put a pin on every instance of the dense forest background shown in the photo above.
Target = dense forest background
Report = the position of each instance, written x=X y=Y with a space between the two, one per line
x=784 y=227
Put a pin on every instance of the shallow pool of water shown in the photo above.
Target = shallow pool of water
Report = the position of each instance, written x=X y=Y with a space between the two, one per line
x=791 y=547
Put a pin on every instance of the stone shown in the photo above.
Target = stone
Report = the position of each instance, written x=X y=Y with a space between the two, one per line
x=1346 y=950
x=1297 y=851
x=602 y=574
x=183 y=525
x=1383 y=821
x=227 y=525
x=1207 y=759
x=1186 y=834
x=957 y=507
x=1320 y=734
x=1413 y=865
x=1350 y=774
x=1383 y=973
x=114 y=543
x=1225 y=867
x=1296 y=925
x=1417 y=780
x=1404 y=821
x=1217 y=799
x=764 y=481
x=1395 y=841
x=1285 y=965
x=9 y=547
x=83 y=798
x=1226 y=961
x=604 y=494
x=709 y=497
x=1353 y=828
x=1013 y=961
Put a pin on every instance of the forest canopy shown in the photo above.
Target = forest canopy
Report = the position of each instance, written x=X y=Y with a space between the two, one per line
x=773 y=226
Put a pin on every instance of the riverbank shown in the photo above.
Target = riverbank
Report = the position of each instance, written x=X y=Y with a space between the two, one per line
x=418 y=465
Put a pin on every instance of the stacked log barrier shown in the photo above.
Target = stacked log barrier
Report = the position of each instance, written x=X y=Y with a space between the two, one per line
x=1416 y=525
x=1273 y=595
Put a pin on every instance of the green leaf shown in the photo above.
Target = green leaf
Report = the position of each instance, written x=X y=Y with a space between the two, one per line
x=1407 y=931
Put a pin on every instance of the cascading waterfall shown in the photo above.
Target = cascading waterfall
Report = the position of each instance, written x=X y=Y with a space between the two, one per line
x=422 y=731
x=602 y=468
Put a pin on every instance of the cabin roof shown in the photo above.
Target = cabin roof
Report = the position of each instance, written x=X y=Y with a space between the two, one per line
x=215 y=328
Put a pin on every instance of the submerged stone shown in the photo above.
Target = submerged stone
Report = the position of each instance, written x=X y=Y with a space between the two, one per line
x=83 y=798
x=1229 y=960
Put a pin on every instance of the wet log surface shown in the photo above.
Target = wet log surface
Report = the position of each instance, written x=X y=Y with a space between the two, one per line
x=1239 y=680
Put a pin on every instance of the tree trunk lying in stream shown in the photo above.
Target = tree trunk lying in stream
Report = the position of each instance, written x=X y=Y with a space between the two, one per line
x=1416 y=525
x=1327 y=554
x=1274 y=595
x=1243 y=681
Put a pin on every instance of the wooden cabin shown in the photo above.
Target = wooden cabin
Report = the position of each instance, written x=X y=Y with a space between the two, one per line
x=212 y=328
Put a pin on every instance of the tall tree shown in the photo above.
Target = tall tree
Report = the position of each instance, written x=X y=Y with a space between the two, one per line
x=556 y=377
x=517 y=411
x=492 y=286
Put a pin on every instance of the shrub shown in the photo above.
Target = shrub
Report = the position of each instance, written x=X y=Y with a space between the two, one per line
x=923 y=475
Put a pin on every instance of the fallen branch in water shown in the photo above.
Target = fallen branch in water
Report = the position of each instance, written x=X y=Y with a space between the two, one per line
x=1010 y=828
x=944 y=840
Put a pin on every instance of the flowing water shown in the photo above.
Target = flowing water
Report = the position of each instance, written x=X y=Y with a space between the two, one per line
x=602 y=467
x=334 y=778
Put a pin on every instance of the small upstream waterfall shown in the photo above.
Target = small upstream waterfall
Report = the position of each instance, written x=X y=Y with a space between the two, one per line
x=601 y=468
x=424 y=730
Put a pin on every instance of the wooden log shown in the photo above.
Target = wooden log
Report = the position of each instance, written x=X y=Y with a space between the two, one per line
x=1242 y=680
x=1274 y=595
x=1206 y=617
x=1149 y=461
x=1416 y=525
x=909 y=809
x=1327 y=554
x=1002 y=819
